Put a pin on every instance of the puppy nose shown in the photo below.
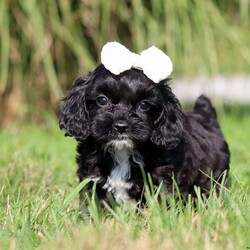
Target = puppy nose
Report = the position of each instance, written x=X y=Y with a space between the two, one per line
x=121 y=126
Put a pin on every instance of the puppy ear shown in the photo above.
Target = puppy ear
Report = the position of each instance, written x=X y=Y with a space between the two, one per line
x=73 y=113
x=168 y=128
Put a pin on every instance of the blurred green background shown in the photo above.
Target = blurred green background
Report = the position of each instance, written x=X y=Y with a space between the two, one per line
x=45 y=45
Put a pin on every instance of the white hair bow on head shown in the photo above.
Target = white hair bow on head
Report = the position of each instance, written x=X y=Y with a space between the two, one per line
x=154 y=63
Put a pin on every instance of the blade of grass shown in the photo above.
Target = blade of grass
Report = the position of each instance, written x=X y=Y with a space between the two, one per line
x=5 y=41
x=74 y=193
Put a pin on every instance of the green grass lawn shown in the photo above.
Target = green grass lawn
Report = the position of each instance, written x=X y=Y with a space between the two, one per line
x=39 y=200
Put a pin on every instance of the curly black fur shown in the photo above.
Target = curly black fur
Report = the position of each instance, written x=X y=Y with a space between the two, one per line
x=139 y=124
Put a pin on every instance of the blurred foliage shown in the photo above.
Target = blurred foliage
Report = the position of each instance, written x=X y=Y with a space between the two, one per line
x=45 y=44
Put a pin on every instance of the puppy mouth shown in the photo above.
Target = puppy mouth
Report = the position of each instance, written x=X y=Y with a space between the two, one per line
x=121 y=142
x=122 y=137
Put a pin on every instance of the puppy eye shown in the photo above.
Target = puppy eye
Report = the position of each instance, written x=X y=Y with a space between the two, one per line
x=144 y=105
x=102 y=101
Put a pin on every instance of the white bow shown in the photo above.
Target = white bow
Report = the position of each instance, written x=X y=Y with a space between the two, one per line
x=154 y=63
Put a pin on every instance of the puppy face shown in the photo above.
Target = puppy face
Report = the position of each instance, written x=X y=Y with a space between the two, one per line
x=122 y=110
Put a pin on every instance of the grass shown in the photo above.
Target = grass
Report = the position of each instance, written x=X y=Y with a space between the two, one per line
x=39 y=200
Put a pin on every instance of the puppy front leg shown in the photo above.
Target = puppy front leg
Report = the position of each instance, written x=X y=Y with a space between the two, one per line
x=84 y=198
x=94 y=194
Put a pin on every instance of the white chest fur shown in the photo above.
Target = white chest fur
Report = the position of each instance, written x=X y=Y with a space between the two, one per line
x=117 y=182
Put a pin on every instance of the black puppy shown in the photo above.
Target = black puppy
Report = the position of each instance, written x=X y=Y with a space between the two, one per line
x=127 y=122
